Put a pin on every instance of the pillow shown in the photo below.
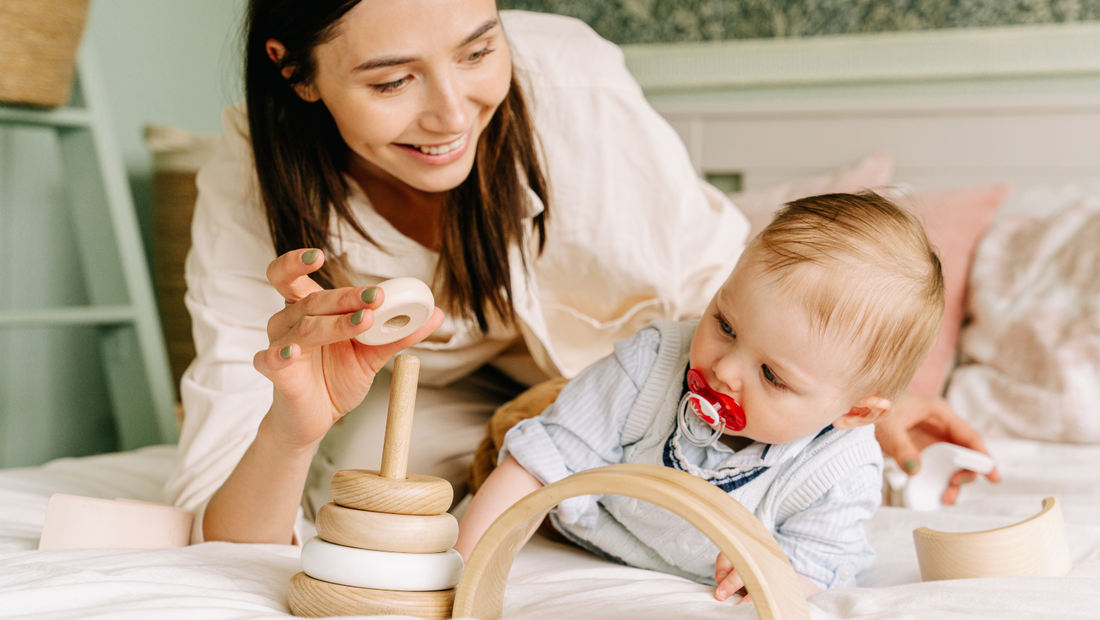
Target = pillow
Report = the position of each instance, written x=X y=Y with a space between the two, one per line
x=954 y=221
x=1031 y=354
x=759 y=205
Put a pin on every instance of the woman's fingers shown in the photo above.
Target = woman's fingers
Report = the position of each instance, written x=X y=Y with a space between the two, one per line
x=955 y=485
x=311 y=332
x=322 y=303
x=895 y=441
x=275 y=358
x=289 y=273
x=959 y=432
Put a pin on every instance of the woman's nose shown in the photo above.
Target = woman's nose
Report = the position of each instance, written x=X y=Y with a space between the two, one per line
x=447 y=113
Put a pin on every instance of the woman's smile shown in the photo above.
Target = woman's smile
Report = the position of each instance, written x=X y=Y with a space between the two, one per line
x=438 y=154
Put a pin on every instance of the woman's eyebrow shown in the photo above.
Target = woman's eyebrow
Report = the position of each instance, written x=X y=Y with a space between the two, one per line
x=393 y=61
x=486 y=27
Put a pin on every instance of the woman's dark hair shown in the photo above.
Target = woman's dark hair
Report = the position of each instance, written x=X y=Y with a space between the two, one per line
x=300 y=159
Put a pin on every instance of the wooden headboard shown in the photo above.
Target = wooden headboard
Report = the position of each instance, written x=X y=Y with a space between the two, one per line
x=956 y=107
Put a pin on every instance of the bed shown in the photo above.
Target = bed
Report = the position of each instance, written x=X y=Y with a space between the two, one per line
x=765 y=120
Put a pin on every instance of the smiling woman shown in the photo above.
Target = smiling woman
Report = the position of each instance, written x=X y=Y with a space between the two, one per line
x=397 y=109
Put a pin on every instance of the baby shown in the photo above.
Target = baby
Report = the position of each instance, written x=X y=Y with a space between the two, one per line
x=771 y=396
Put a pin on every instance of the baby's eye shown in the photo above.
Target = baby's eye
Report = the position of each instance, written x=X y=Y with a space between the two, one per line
x=726 y=327
x=770 y=376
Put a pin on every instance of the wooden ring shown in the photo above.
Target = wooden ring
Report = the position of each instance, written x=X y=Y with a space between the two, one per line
x=381 y=570
x=767 y=572
x=311 y=598
x=381 y=531
x=366 y=489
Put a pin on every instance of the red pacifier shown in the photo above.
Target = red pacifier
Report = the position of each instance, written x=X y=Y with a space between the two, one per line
x=713 y=407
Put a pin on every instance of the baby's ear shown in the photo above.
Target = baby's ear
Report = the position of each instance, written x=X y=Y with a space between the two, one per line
x=867 y=411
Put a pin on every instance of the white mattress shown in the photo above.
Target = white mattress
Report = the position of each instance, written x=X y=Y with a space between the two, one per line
x=222 y=580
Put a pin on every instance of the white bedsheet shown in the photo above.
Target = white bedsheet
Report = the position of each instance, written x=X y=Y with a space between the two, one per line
x=221 y=580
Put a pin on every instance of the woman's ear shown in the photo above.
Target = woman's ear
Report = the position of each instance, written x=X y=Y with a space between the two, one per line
x=868 y=410
x=276 y=51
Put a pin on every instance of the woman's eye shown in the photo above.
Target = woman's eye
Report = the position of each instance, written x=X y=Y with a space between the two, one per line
x=478 y=55
x=770 y=376
x=389 y=87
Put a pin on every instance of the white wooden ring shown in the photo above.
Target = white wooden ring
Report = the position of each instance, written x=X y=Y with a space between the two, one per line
x=407 y=306
x=380 y=531
x=381 y=570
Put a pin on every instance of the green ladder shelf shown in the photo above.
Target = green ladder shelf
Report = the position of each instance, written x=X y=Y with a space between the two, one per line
x=116 y=275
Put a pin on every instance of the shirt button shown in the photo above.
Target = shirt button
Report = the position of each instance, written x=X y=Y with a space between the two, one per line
x=845 y=573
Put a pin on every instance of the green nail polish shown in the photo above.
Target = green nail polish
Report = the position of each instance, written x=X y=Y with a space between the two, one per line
x=357 y=318
x=369 y=294
x=310 y=256
x=286 y=352
x=911 y=466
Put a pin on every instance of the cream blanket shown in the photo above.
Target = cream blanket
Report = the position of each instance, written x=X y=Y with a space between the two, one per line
x=223 y=581
x=1031 y=355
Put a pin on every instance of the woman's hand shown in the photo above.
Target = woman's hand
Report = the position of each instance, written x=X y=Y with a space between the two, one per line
x=919 y=421
x=320 y=371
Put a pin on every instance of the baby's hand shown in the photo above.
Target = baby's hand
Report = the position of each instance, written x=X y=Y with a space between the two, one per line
x=730 y=582
x=727 y=579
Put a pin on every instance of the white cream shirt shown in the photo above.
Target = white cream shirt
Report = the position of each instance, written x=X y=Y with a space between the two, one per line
x=633 y=236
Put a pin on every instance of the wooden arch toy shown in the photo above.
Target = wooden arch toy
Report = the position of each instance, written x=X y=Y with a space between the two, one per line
x=767 y=572
x=1035 y=547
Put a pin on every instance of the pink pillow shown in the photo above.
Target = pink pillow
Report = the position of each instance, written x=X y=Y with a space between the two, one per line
x=759 y=205
x=954 y=221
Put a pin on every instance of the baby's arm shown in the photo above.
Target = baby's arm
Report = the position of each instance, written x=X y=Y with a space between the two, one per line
x=730 y=582
x=508 y=484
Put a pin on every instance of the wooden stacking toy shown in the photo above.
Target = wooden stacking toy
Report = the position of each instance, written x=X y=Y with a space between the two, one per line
x=385 y=544
x=1034 y=547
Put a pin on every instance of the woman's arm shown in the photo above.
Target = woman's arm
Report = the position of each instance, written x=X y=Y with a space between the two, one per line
x=259 y=502
x=508 y=484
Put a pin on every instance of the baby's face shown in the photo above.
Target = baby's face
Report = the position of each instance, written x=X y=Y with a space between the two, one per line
x=756 y=345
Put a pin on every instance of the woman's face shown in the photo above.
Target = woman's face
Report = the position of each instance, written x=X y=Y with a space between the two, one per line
x=412 y=84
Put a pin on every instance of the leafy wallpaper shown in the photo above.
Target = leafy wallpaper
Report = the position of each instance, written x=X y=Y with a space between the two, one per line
x=666 y=21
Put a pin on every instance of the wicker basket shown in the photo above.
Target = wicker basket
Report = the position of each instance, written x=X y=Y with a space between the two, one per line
x=38 y=43
x=177 y=156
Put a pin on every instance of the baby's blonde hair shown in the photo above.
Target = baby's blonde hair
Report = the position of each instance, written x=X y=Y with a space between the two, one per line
x=863 y=269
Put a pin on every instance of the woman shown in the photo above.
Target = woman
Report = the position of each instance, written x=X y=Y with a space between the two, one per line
x=526 y=180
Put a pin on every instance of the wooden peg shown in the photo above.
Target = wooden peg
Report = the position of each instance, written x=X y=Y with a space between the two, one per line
x=399 y=417
x=392 y=489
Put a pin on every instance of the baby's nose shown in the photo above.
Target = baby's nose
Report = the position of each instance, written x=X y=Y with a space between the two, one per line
x=729 y=374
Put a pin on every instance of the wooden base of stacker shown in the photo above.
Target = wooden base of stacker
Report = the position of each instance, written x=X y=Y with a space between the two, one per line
x=313 y=598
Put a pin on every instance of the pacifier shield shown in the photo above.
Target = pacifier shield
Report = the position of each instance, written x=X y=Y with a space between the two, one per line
x=731 y=413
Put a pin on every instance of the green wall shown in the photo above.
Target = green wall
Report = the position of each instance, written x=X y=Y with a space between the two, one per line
x=164 y=61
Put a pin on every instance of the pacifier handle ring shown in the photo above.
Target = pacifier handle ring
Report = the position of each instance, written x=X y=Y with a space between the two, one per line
x=685 y=423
